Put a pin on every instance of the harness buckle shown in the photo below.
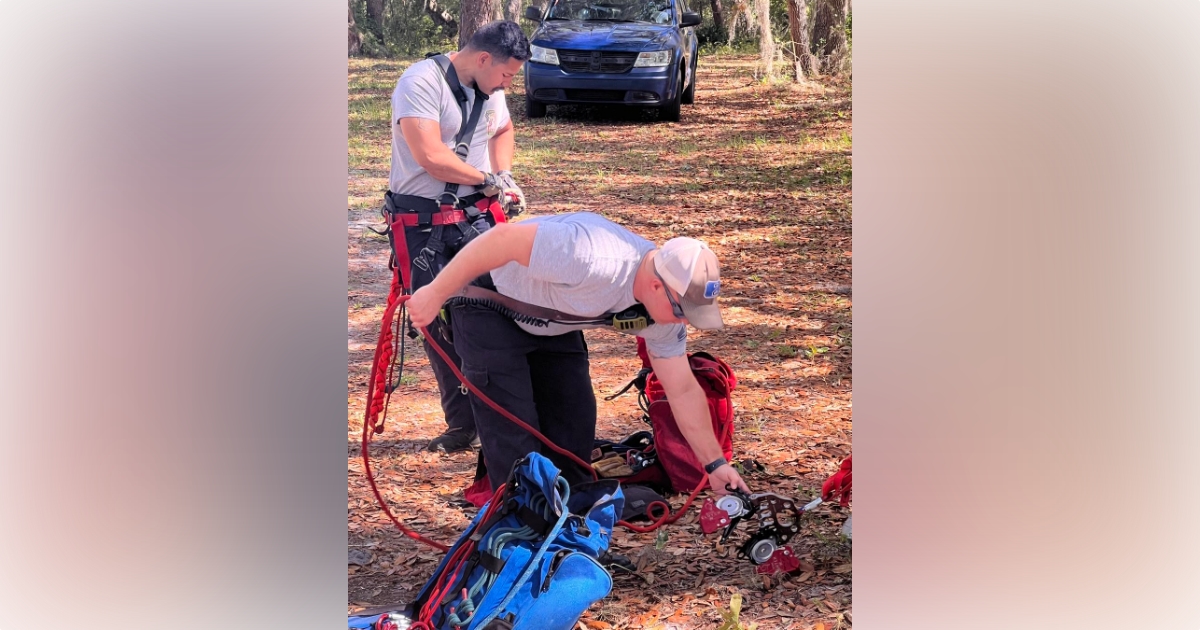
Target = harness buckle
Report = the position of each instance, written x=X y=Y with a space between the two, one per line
x=455 y=201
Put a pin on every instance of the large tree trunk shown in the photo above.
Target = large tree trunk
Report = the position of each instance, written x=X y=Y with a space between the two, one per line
x=375 y=12
x=766 y=43
x=355 y=41
x=474 y=14
x=718 y=16
x=805 y=65
x=441 y=17
x=829 y=33
x=512 y=10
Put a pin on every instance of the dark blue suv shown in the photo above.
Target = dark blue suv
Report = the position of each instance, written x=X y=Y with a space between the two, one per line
x=619 y=52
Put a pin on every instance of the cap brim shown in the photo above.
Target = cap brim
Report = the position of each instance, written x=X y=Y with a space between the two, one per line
x=703 y=316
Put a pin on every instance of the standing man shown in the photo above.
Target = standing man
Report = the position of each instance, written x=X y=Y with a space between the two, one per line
x=580 y=265
x=440 y=160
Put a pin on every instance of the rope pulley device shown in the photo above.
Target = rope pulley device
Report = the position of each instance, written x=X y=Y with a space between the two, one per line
x=778 y=520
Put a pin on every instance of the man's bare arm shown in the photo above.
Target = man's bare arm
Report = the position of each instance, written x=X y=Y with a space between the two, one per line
x=500 y=149
x=424 y=139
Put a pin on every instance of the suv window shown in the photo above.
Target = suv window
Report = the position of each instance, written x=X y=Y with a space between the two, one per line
x=652 y=11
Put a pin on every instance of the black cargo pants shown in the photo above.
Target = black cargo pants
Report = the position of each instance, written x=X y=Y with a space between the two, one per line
x=543 y=380
x=429 y=250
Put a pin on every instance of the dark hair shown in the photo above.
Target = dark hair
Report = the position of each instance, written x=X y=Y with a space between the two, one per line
x=501 y=39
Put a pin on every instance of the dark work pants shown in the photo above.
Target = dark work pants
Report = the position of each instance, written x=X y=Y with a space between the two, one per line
x=455 y=404
x=544 y=381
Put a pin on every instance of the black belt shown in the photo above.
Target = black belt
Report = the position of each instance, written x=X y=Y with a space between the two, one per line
x=411 y=203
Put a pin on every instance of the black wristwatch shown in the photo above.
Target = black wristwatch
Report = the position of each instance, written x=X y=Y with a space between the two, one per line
x=715 y=465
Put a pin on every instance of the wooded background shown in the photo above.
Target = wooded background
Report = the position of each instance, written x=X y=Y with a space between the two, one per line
x=805 y=38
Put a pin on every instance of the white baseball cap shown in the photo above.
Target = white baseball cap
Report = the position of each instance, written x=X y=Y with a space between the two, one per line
x=690 y=269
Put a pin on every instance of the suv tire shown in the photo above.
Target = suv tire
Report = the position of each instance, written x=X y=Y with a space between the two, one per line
x=534 y=109
x=670 y=111
x=689 y=95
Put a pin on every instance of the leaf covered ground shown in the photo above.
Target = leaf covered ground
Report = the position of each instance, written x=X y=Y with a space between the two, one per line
x=762 y=173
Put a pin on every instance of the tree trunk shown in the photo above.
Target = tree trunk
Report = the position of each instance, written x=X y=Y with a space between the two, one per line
x=766 y=43
x=513 y=10
x=355 y=40
x=739 y=11
x=441 y=17
x=718 y=16
x=829 y=33
x=474 y=14
x=805 y=65
x=375 y=12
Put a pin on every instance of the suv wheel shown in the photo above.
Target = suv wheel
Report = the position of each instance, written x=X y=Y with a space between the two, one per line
x=670 y=111
x=689 y=95
x=534 y=109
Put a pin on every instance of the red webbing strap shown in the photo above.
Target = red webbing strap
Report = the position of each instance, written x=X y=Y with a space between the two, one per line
x=492 y=205
x=446 y=215
x=400 y=243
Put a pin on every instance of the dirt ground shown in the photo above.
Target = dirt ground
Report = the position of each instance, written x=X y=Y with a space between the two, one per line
x=761 y=172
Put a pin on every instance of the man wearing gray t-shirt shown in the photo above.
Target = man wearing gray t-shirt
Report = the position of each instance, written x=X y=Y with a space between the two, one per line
x=427 y=117
x=580 y=265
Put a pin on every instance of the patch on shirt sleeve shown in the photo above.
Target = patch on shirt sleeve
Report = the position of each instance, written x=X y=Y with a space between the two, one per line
x=490 y=116
x=682 y=334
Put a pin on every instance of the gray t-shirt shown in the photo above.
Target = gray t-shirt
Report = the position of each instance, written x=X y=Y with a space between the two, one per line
x=421 y=92
x=584 y=264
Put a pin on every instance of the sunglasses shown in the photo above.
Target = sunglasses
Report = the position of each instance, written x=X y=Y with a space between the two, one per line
x=676 y=309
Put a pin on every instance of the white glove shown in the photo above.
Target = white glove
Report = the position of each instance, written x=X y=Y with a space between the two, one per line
x=509 y=187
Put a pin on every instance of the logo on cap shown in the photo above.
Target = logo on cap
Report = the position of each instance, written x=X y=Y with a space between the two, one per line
x=711 y=289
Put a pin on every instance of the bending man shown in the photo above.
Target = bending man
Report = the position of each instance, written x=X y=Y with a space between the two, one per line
x=584 y=265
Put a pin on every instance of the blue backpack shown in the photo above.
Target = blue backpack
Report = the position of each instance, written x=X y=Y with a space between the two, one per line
x=528 y=561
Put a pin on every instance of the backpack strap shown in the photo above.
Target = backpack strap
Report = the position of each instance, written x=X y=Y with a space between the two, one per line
x=462 y=141
x=643 y=354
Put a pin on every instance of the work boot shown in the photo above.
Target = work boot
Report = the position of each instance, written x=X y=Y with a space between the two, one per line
x=454 y=441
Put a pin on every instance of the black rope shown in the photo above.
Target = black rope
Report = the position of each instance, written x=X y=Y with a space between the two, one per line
x=398 y=358
x=501 y=309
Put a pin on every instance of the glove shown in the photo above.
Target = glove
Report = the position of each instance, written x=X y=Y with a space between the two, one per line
x=490 y=186
x=515 y=202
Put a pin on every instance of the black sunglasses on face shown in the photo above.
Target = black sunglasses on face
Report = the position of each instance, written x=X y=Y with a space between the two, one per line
x=676 y=309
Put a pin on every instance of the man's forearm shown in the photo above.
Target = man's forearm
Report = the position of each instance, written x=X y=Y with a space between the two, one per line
x=695 y=423
x=424 y=141
x=500 y=149
x=447 y=167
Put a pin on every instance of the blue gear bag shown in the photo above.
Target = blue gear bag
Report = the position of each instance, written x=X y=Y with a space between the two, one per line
x=534 y=565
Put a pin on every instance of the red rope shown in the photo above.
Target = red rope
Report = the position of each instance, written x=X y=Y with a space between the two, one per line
x=377 y=397
x=666 y=518
x=504 y=412
x=376 y=385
